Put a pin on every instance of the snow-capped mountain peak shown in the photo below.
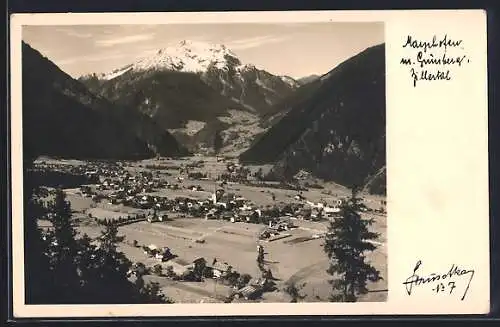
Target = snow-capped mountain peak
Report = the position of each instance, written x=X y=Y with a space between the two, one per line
x=186 y=56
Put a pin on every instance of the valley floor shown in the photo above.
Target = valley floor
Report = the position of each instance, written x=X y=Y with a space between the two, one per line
x=297 y=258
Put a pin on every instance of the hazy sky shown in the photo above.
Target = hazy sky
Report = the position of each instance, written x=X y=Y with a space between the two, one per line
x=296 y=50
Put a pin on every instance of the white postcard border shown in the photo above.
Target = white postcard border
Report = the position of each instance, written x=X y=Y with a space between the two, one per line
x=450 y=231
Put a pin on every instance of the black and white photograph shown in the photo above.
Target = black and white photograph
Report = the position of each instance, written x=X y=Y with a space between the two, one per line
x=198 y=165
x=204 y=163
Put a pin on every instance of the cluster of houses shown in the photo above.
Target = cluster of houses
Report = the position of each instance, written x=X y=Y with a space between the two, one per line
x=132 y=184
x=235 y=172
x=162 y=254
x=243 y=285
x=276 y=228
x=86 y=169
x=219 y=205
x=60 y=175
x=118 y=186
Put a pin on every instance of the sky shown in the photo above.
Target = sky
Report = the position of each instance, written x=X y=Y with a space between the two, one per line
x=296 y=50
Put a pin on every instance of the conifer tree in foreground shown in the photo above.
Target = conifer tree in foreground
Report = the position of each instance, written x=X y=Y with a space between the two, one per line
x=71 y=269
x=346 y=243
x=293 y=290
x=260 y=258
x=62 y=249
x=217 y=142
x=39 y=276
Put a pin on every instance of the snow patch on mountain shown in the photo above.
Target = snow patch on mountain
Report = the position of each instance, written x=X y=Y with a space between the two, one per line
x=115 y=73
x=290 y=81
x=186 y=56
x=263 y=85
x=246 y=106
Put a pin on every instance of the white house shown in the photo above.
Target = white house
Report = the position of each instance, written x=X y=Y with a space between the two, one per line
x=331 y=210
x=220 y=269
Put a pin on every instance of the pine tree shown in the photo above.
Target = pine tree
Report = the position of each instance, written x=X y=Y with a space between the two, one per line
x=60 y=217
x=158 y=270
x=347 y=241
x=294 y=291
x=152 y=293
x=243 y=280
x=217 y=142
x=110 y=238
x=40 y=282
x=267 y=274
x=64 y=269
x=62 y=249
x=260 y=258
x=114 y=264
x=170 y=271
x=199 y=268
x=85 y=260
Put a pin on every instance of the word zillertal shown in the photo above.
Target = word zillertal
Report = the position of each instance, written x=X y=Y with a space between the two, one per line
x=432 y=61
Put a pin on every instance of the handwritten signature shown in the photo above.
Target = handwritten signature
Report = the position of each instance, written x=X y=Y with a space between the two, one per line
x=440 y=278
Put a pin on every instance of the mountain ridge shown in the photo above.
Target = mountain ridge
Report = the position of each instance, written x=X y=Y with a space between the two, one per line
x=193 y=81
x=308 y=79
x=328 y=128
x=57 y=106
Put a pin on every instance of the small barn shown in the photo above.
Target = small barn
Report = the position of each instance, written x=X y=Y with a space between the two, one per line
x=220 y=269
x=249 y=292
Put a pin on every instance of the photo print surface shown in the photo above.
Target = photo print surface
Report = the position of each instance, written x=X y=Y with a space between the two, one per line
x=249 y=164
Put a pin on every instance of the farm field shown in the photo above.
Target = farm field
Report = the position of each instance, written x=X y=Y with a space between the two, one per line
x=296 y=258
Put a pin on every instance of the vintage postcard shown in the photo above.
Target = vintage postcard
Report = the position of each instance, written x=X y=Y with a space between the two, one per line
x=249 y=163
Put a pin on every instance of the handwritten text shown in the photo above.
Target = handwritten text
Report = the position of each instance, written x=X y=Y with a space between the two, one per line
x=440 y=282
x=432 y=60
